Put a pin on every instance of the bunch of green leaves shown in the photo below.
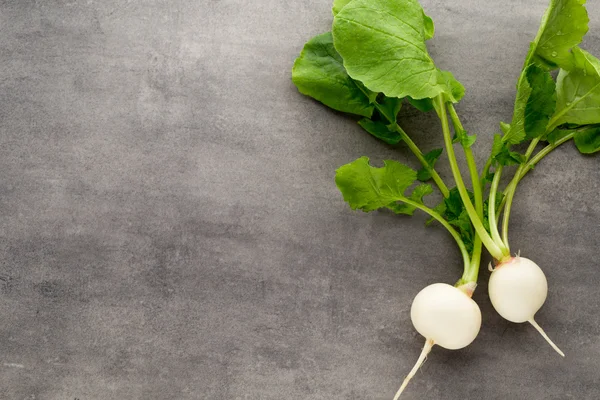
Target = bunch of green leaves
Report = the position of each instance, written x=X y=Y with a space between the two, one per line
x=375 y=59
x=319 y=72
x=545 y=109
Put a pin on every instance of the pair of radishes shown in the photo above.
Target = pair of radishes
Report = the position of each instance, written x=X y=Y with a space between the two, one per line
x=447 y=316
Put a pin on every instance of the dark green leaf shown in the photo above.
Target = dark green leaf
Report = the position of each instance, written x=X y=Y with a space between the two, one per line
x=454 y=204
x=320 y=74
x=557 y=134
x=588 y=140
x=515 y=132
x=541 y=103
x=563 y=27
x=423 y=174
x=535 y=103
x=423 y=105
x=510 y=158
x=465 y=228
x=380 y=131
x=453 y=210
x=578 y=91
x=502 y=155
x=390 y=107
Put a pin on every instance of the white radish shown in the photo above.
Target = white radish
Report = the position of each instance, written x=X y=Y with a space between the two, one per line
x=518 y=289
x=446 y=316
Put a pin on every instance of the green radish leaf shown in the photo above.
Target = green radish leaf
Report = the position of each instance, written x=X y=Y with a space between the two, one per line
x=417 y=195
x=498 y=145
x=457 y=90
x=465 y=228
x=440 y=209
x=535 y=103
x=588 y=140
x=453 y=211
x=424 y=175
x=338 y=5
x=564 y=25
x=464 y=139
x=515 y=132
x=557 y=134
x=390 y=107
x=541 y=103
x=428 y=26
x=502 y=155
x=319 y=73
x=506 y=158
x=456 y=214
x=423 y=105
x=382 y=43
x=578 y=91
x=369 y=188
x=454 y=204
x=380 y=131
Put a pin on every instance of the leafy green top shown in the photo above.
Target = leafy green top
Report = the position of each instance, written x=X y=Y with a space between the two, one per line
x=319 y=72
x=563 y=27
x=382 y=43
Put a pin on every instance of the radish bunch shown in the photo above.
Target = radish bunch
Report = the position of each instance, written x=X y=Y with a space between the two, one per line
x=374 y=62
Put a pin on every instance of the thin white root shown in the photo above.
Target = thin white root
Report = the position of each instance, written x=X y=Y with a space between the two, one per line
x=490 y=268
x=426 y=349
x=541 y=331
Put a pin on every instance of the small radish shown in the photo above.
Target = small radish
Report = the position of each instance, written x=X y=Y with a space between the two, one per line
x=518 y=289
x=447 y=317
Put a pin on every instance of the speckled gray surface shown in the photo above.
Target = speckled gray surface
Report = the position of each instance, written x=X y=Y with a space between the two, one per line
x=169 y=226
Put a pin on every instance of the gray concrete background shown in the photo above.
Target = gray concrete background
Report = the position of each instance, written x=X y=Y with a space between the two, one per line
x=170 y=229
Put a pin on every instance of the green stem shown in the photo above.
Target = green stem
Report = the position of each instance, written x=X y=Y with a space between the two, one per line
x=473 y=270
x=513 y=188
x=485 y=172
x=531 y=148
x=492 y=205
x=513 y=183
x=417 y=152
x=413 y=147
x=488 y=242
x=442 y=220
x=543 y=153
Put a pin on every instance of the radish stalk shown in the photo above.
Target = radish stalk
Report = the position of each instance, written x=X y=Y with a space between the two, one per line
x=497 y=250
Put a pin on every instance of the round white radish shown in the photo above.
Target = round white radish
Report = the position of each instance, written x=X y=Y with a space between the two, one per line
x=518 y=288
x=446 y=316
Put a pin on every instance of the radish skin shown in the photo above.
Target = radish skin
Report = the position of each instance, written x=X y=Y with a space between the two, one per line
x=446 y=316
x=518 y=288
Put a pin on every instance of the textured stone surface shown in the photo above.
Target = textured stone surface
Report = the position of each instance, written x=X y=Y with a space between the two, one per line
x=169 y=226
